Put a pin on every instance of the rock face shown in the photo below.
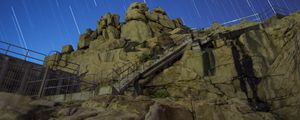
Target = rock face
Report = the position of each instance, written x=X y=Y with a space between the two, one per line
x=258 y=67
x=136 y=31
x=142 y=24
x=114 y=43
x=280 y=86
x=235 y=74
x=17 y=107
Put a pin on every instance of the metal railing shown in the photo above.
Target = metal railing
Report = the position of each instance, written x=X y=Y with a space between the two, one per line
x=22 y=72
x=21 y=53
x=37 y=57
x=58 y=63
x=121 y=76
x=261 y=16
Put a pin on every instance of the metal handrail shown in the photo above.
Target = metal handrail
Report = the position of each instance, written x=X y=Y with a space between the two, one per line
x=27 y=51
x=138 y=68
x=263 y=15
x=22 y=48
x=26 y=55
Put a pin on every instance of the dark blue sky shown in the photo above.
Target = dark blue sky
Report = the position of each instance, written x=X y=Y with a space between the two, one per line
x=46 y=25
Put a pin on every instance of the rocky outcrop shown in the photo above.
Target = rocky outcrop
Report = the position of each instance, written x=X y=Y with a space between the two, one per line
x=142 y=35
x=109 y=26
x=257 y=67
x=142 y=24
x=279 y=85
x=228 y=72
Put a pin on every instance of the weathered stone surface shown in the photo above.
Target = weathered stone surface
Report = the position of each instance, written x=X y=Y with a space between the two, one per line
x=162 y=40
x=156 y=28
x=83 y=44
x=281 y=88
x=112 y=32
x=163 y=112
x=109 y=45
x=222 y=79
x=152 y=16
x=142 y=7
x=166 y=22
x=67 y=49
x=180 y=38
x=224 y=66
x=178 y=31
x=102 y=24
x=17 y=107
x=178 y=22
x=135 y=15
x=106 y=21
x=136 y=31
x=159 y=10
x=84 y=41
x=233 y=110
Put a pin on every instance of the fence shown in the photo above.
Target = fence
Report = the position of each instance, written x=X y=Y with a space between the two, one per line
x=21 y=53
x=19 y=74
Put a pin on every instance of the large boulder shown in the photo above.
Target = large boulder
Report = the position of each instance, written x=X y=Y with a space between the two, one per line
x=162 y=40
x=152 y=16
x=135 y=15
x=159 y=10
x=67 y=49
x=140 y=6
x=136 y=11
x=111 y=33
x=163 y=18
x=86 y=38
x=18 y=107
x=165 y=112
x=166 y=22
x=136 y=31
x=108 y=20
x=83 y=43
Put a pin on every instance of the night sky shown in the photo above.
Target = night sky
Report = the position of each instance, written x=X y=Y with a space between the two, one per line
x=46 y=25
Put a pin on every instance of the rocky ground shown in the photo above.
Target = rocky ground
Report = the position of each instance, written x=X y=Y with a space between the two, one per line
x=252 y=76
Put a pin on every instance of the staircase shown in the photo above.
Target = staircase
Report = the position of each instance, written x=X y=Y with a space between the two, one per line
x=132 y=72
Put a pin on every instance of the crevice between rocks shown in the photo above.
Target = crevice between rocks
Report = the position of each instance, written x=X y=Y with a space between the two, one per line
x=244 y=67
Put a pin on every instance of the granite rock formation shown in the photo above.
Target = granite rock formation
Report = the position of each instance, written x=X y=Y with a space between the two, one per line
x=249 y=74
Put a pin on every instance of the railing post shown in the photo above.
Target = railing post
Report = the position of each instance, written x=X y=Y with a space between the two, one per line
x=6 y=52
x=40 y=94
x=137 y=88
x=26 y=55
